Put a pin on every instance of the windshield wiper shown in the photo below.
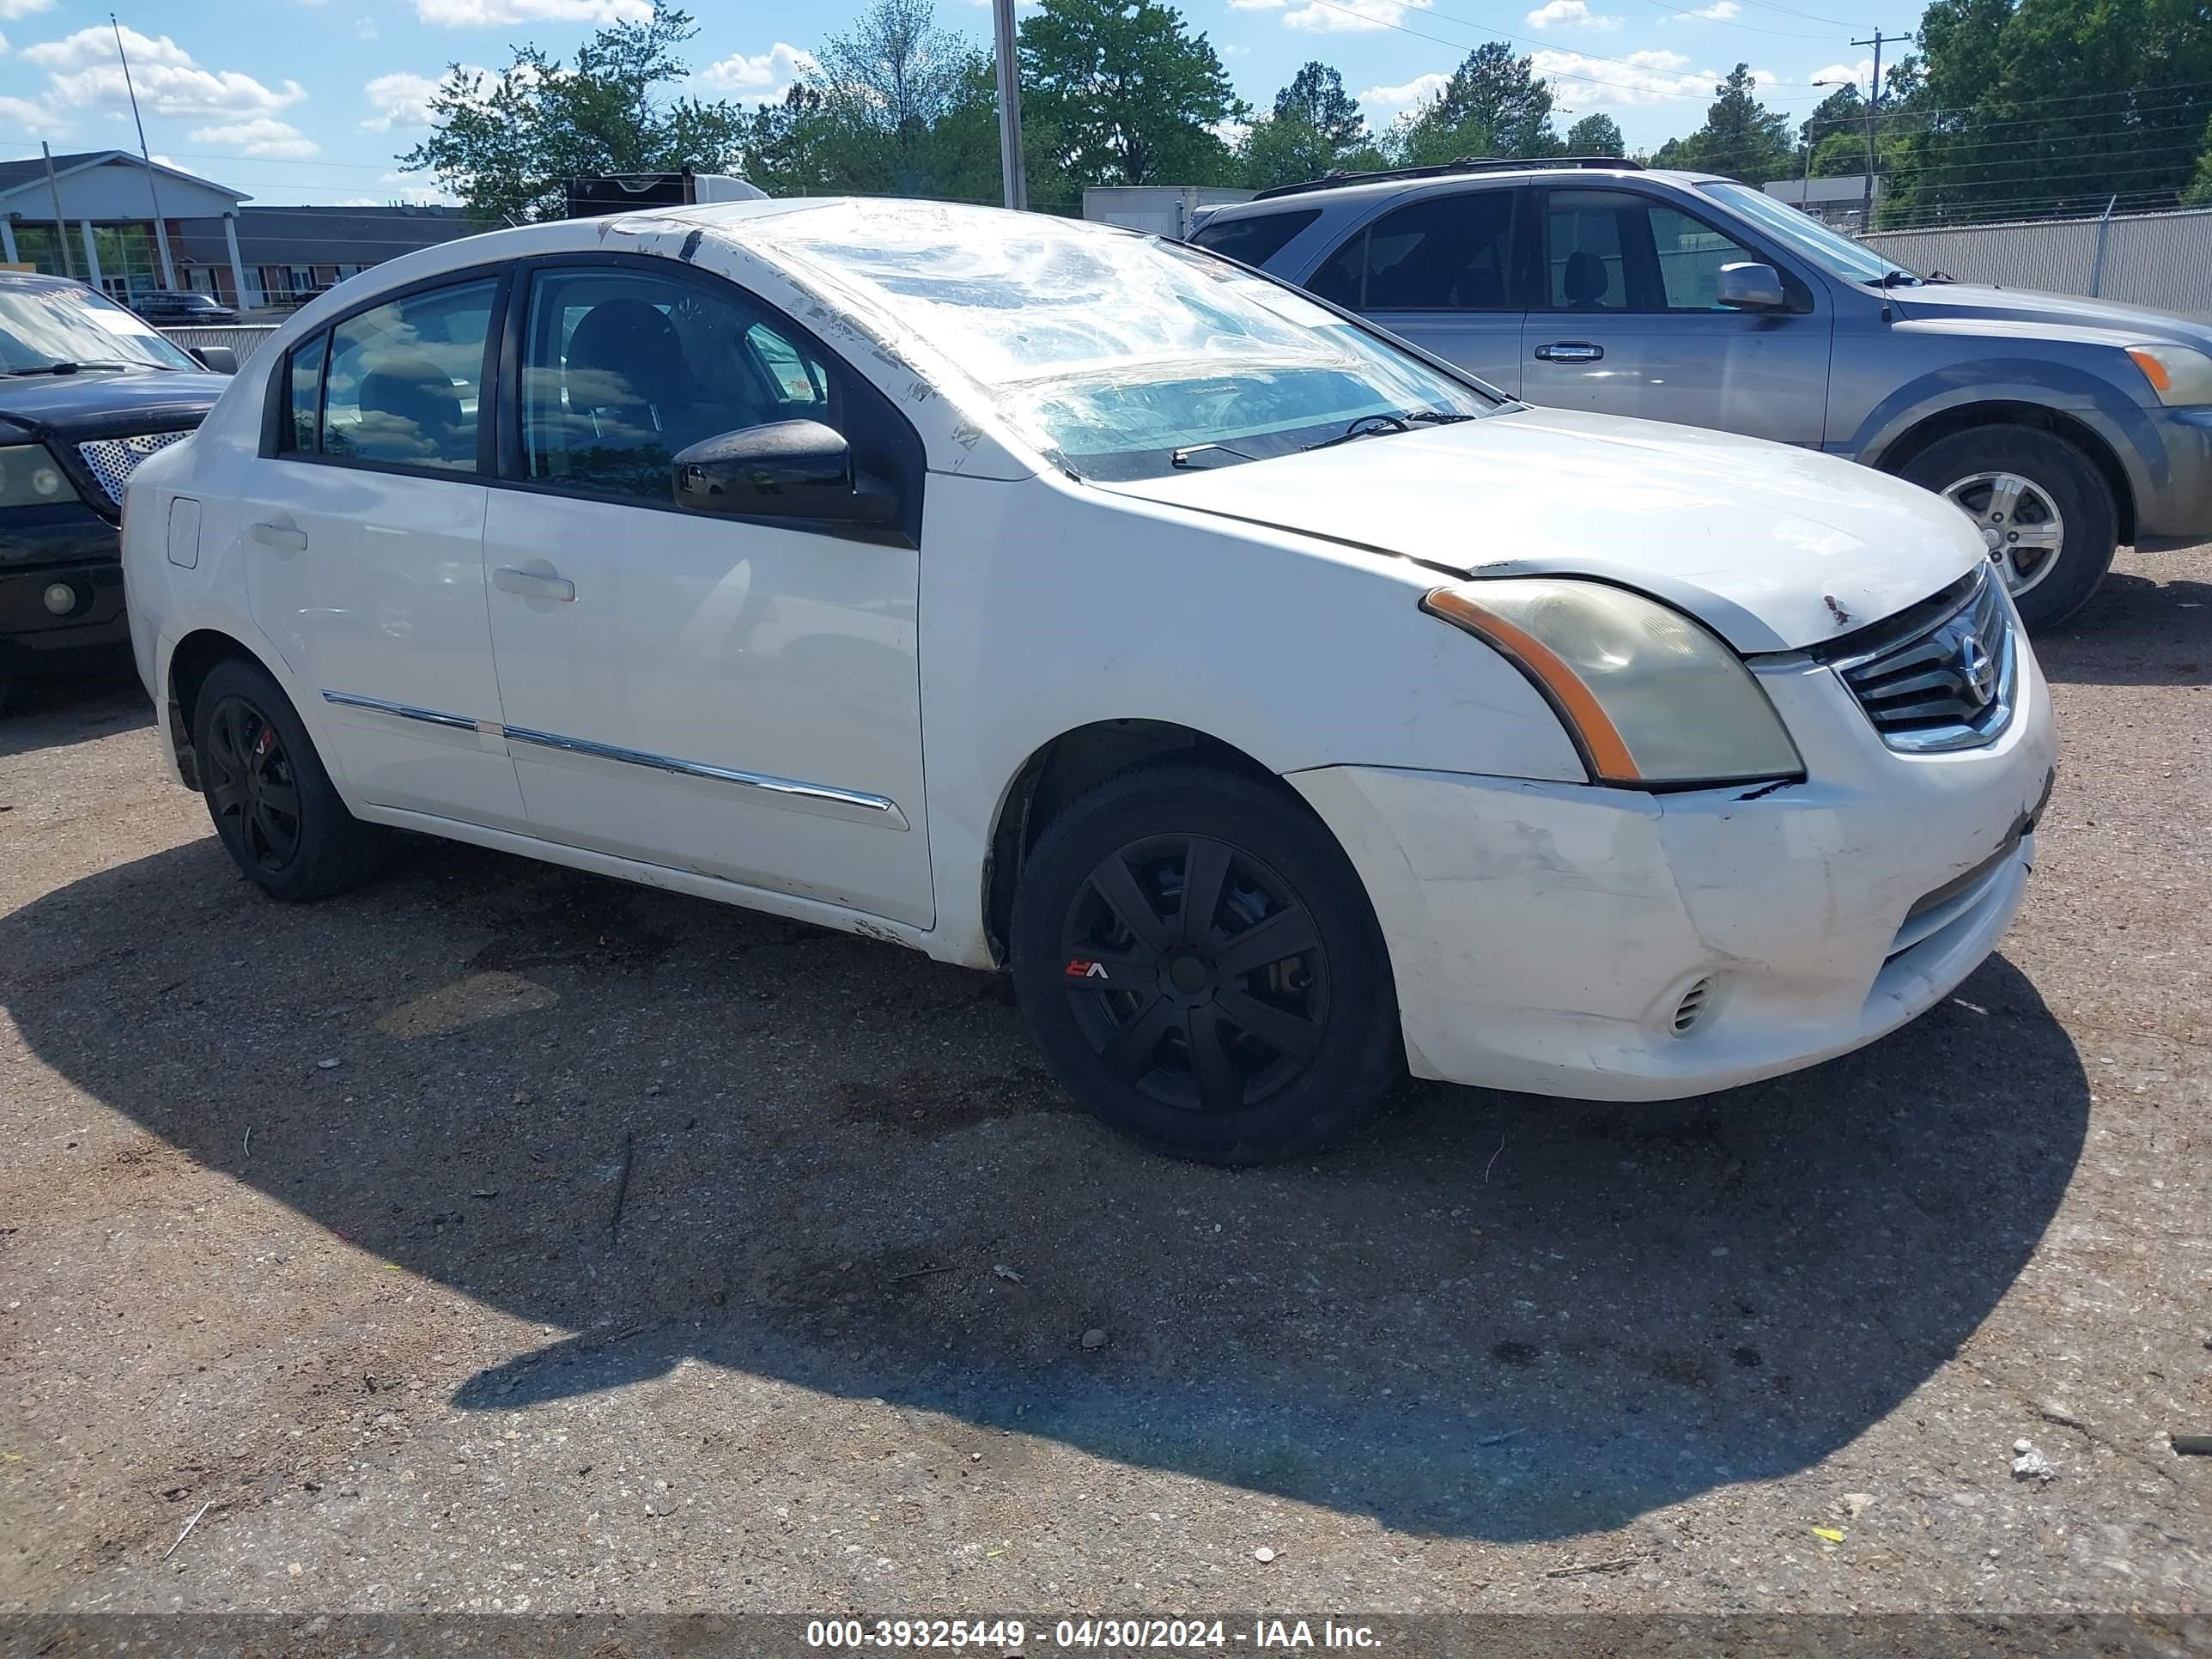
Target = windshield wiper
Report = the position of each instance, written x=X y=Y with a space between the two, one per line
x=72 y=369
x=1372 y=426
x=1188 y=455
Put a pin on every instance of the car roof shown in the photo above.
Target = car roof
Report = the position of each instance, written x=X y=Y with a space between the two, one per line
x=41 y=280
x=1443 y=181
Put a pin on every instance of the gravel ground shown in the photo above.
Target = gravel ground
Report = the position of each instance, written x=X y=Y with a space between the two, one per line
x=505 y=1239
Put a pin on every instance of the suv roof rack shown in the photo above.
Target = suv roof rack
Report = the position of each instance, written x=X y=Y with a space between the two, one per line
x=1470 y=164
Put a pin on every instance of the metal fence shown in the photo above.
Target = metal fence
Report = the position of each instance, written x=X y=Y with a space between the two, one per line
x=2161 y=260
x=244 y=338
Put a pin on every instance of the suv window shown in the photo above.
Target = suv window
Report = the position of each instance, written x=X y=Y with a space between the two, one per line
x=403 y=380
x=1450 y=252
x=622 y=369
x=1617 y=251
x=1254 y=239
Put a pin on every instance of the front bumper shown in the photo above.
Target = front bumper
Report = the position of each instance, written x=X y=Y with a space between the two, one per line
x=1544 y=936
x=65 y=545
x=2174 y=507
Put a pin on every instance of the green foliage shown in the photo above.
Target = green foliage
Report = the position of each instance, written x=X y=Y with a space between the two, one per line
x=1493 y=105
x=1316 y=97
x=2199 y=191
x=1742 y=138
x=1595 y=135
x=506 y=144
x=1127 y=94
x=1316 y=128
x=2030 y=107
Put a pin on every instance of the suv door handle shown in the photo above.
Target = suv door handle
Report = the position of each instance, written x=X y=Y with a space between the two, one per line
x=281 y=538
x=533 y=584
x=1570 y=351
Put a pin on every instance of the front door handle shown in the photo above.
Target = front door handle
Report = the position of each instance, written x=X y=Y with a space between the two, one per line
x=1569 y=351
x=533 y=584
x=281 y=538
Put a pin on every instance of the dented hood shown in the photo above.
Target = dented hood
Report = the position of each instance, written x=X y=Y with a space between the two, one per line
x=1774 y=548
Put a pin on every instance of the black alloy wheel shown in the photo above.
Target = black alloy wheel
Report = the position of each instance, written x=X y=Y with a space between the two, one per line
x=1196 y=975
x=252 y=790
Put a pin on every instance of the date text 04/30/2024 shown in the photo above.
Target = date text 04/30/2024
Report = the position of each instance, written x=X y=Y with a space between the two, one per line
x=1010 y=1635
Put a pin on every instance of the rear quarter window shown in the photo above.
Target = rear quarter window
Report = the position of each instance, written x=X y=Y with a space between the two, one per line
x=1255 y=238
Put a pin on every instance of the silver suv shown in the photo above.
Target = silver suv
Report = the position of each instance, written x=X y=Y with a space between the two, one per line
x=2062 y=427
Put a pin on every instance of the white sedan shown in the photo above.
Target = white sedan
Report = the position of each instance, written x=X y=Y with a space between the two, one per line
x=1283 y=708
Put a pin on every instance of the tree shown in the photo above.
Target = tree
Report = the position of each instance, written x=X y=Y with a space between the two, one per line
x=1316 y=128
x=1595 y=135
x=1493 y=105
x=888 y=81
x=2199 y=191
x=1742 y=138
x=506 y=144
x=1131 y=96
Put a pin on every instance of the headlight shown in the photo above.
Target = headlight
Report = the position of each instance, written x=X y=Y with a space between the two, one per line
x=2179 y=374
x=29 y=477
x=1650 y=698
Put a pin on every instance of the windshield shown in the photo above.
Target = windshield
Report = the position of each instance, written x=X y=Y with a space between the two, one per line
x=1834 y=251
x=1123 y=356
x=42 y=326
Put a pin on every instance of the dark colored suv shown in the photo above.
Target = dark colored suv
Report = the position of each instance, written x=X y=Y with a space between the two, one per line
x=88 y=391
x=175 y=309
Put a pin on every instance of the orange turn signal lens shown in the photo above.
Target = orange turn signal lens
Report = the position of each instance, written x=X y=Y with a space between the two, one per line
x=2154 y=371
x=1603 y=748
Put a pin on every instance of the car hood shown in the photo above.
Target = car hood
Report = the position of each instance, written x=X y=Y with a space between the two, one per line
x=100 y=403
x=1963 y=301
x=1774 y=548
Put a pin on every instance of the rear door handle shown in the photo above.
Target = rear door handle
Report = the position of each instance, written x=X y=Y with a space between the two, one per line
x=533 y=584
x=281 y=538
x=1570 y=351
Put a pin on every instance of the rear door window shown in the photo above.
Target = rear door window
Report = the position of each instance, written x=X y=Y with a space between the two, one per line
x=405 y=380
x=1449 y=252
x=1255 y=239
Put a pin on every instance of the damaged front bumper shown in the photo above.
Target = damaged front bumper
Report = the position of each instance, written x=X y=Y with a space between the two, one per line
x=1610 y=945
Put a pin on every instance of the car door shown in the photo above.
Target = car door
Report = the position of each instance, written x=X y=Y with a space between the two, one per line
x=740 y=698
x=363 y=525
x=1627 y=323
x=1439 y=270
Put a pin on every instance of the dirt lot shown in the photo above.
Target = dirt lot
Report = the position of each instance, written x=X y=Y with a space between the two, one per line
x=503 y=1238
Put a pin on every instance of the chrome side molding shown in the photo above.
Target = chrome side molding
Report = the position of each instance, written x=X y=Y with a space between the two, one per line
x=790 y=792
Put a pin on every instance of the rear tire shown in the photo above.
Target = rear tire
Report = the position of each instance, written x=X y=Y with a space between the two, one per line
x=1257 y=1025
x=2027 y=489
x=273 y=805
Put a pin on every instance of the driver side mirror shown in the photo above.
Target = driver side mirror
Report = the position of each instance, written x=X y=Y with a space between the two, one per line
x=784 y=469
x=216 y=360
x=1749 y=285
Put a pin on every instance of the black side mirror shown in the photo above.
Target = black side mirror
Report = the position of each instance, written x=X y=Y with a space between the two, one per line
x=216 y=360
x=785 y=470
x=1749 y=285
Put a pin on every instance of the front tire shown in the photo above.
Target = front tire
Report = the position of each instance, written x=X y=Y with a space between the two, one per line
x=1202 y=967
x=273 y=805
x=2045 y=513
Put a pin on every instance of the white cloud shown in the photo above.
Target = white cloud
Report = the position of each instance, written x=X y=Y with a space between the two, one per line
x=1857 y=73
x=33 y=118
x=364 y=28
x=1343 y=16
x=400 y=100
x=14 y=9
x=1642 y=77
x=1257 y=5
x=1720 y=11
x=82 y=69
x=486 y=13
x=262 y=135
x=1234 y=49
x=764 y=79
x=1572 y=13
x=1415 y=92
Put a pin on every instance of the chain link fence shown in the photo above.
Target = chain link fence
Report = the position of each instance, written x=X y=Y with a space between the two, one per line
x=2160 y=260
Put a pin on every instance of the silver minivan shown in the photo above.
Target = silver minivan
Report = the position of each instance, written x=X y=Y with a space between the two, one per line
x=2062 y=427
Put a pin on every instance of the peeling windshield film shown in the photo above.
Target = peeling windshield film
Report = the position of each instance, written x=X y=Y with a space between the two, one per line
x=42 y=327
x=1124 y=356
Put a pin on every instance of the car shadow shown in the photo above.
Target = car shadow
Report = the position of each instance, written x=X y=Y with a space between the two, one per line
x=2134 y=631
x=53 y=713
x=684 y=1132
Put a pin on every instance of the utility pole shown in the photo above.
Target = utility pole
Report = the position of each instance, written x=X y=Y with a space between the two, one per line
x=161 y=230
x=1874 y=108
x=1012 y=180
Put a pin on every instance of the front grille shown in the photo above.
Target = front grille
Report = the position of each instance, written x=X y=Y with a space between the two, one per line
x=113 y=460
x=1942 y=676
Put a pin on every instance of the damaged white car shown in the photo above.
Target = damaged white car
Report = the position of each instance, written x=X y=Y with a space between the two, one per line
x=1283 y=707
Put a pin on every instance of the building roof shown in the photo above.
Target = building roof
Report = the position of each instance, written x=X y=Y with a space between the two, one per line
x=324 y=236
x=32 y=170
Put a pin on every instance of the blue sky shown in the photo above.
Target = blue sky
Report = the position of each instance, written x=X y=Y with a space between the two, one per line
x=310 y=100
